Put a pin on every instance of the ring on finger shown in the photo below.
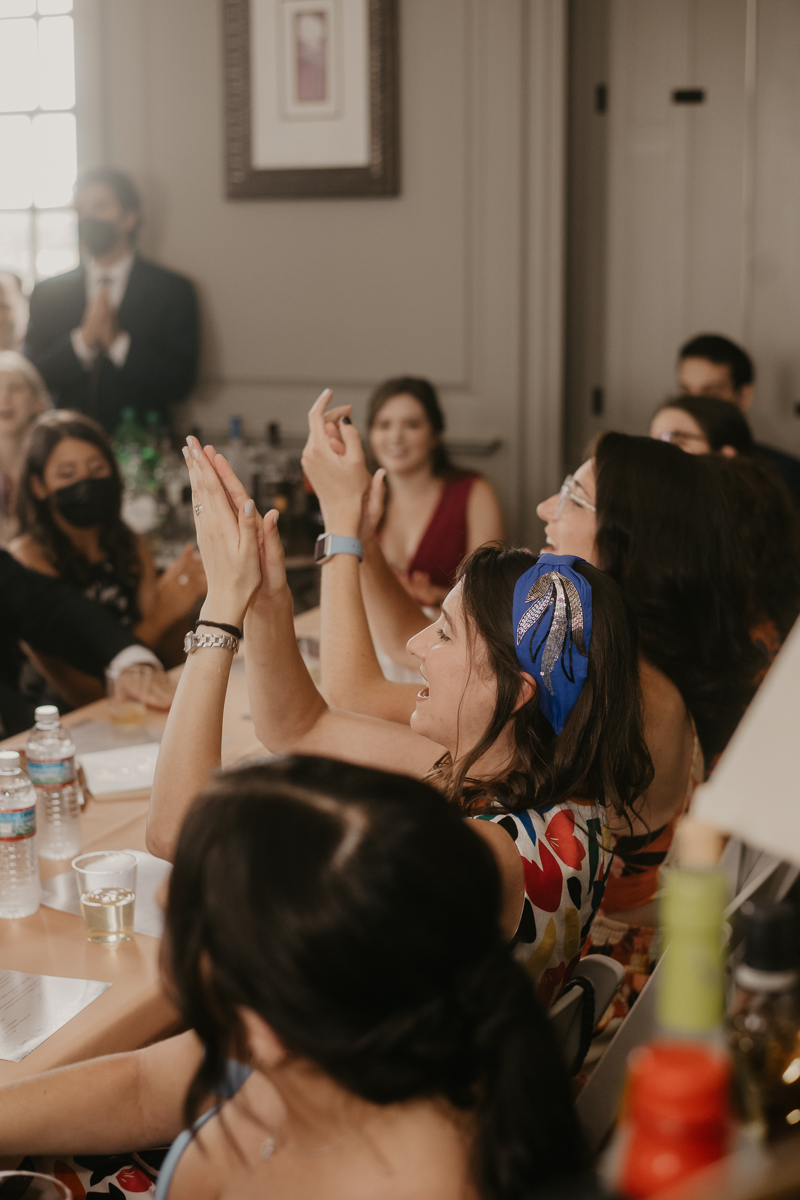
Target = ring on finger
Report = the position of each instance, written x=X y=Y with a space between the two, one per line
x=198 y=508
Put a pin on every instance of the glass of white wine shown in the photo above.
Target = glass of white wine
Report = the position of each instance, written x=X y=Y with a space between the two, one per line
x=107 y=890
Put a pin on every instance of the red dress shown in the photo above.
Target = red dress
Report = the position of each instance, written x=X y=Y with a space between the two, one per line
x=444 y=542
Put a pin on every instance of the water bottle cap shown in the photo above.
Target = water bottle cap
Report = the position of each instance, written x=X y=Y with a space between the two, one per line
x=9 y=761
x=47 y=712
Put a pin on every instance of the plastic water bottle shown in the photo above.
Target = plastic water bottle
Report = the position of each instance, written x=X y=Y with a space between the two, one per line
x=51 y=767
x=19 y=870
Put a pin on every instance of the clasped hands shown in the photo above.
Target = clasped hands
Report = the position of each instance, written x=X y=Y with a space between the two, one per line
x=99 y=325
x=242 y=554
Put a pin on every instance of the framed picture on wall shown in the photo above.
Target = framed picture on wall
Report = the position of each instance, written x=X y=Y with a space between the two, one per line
x=311 y=93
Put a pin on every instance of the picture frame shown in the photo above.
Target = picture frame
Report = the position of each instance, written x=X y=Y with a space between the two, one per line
x=311 y=98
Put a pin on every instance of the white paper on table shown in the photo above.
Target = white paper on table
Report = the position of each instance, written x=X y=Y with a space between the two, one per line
x=32 y=1007
x=61 y=892
x=754 y=792
x=126 y=769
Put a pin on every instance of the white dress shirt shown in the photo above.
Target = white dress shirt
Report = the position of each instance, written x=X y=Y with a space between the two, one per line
x=115 y=279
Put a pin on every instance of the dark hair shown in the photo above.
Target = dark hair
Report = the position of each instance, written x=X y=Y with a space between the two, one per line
x=36 y=516
x=425 y=393
x=721 y=350
x=768 y=525
x=120 y=183
x=666 y=535
x=601 y=752
x=722 y=423
x=358 y=915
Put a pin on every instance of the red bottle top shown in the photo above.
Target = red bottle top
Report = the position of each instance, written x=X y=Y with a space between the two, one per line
x=678 y=1110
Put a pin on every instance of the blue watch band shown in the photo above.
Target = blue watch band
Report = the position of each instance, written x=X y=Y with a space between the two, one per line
x=330 y=544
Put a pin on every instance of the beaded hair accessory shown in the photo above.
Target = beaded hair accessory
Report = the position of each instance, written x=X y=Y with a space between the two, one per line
x=559 y=648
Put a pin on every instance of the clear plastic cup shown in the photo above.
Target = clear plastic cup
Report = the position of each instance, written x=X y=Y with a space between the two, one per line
x=32 y=1186
x=127 y=696
x=107 y=890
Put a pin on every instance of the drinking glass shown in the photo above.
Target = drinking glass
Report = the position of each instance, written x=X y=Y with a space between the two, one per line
x=107 y=888
x=28 y=1185
x=127 y=695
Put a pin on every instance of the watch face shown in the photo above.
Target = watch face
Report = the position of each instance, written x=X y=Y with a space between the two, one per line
x=320 y=547
x=188 y=642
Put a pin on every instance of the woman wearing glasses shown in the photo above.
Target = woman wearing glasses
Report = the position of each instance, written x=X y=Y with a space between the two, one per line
x=703 y=425
x=657 y=521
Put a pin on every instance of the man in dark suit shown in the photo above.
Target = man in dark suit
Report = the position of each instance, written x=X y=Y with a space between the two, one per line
x=118 y=332
x=712 y=365
x=54 y=618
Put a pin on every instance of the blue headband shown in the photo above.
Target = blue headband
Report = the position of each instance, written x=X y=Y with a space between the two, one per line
x=554 y=651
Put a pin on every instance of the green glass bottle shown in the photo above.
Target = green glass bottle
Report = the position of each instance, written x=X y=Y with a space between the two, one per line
x=691 y=993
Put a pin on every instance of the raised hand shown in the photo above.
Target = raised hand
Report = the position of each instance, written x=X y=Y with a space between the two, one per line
x=270 y=549
x=333 y=460
x=227 y=537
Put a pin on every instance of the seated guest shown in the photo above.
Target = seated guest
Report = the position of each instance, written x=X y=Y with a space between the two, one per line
x=657 y=521
x=435 y=513
x=70 y=494
x=54 y=620
x=13 y=312
x=356 y=1025
x=712 y=365
x=529 y=719
x=703 y=425
x=118 y=331
x=23 y=396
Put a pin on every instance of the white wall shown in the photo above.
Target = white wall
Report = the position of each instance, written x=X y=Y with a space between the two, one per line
x=700 y=206
x=458 y=278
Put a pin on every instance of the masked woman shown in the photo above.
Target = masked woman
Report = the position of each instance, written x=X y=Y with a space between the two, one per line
x=70 y=495
x=529 y=719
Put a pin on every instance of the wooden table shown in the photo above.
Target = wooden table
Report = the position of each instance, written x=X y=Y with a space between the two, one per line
x=135 y=1010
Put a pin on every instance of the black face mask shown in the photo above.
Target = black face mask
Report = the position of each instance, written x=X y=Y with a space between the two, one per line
x=97 y=236
x=88 y=502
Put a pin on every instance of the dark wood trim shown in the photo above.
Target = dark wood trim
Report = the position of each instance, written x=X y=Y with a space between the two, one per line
x=380 y=178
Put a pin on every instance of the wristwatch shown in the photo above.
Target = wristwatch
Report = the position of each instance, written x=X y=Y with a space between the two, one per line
x=221 y=641
x=329 y=544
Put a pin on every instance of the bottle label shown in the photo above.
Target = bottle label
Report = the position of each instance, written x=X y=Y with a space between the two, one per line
x=14 y=826
x=51 y=774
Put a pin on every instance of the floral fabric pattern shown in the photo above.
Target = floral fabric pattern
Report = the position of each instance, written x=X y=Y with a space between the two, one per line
x=566 y=856
x=121 y=1176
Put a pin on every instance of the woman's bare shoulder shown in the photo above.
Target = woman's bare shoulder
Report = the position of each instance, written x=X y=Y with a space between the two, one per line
x=26 y=550
x=661 y=697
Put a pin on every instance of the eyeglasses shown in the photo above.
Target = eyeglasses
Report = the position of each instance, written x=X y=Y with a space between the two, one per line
x=566 y=494
x=677 y=437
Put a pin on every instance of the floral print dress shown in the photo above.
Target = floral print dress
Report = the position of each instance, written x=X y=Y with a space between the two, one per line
x=566 y=857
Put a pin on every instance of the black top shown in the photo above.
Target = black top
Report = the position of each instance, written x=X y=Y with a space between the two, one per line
x=788 y=466
x=158 y=310
x=106 y=588
x=53 y=618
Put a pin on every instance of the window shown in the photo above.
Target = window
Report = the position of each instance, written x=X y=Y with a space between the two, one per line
x=38 y=157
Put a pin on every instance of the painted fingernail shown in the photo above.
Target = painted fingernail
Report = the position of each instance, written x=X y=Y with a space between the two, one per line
x=346 y=421
x=249 y=508
x=186 y=453
x=188 y=441
x=195 y=454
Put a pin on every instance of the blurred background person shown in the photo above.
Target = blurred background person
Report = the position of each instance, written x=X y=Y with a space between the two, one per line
x=13 y=312
x=435 y=513
x=118 y=331
x=70 y=494
x=23 y=396
x=712 y=365
x=703 y=425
